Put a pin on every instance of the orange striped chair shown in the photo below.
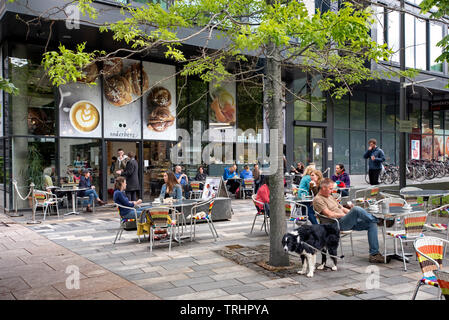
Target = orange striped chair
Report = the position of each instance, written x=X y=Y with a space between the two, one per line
x=429 y=251
x=160 y=219
x=413 y=223
x=433 y=222
x=248 y=185
x=196 y=189
x=443 y=282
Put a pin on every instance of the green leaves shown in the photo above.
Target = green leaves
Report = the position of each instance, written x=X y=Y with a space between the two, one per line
x=8 y=86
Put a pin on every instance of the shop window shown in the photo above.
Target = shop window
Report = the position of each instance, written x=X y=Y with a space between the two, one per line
x=302 y=145
x=250 y=106
x=312 y=105
x=426 y=114
x=388 y=112
x=358 y=147
x=341 y=112
x=436 y=34
x=156 y=161
x=341 y=147
x=414 y=112
x=393 y=34
x=357 y=112
x=373 y=111
x=33 y=110
x=388 y=146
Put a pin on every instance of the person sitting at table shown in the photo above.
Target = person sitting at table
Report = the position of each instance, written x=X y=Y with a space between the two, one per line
x=246 y=174
x=298 y=172
x=315 y=179
x=48 y=182
x=341 y=178
x=229 y=176
x=183 y=180
x=304 y=186
x=263 y=195
x=257 y=177
x=121 y=199
x=85 y=182
x=355 y=219
x=200 y=175
x=171 y=187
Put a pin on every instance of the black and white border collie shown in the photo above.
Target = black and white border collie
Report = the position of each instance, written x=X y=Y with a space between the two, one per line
x=324 y=237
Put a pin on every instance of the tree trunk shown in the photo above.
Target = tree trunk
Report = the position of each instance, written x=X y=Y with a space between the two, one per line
x=273 y=91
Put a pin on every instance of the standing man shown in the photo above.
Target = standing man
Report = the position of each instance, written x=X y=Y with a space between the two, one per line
x=122 y=160
x=376 y=156
x=131 y=174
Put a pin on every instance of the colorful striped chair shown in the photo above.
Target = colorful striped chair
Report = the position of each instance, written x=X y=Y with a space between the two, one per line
x=260 y=212
x=443 y=282
x=248 y=185
x=429 y=251
x=413 y=223
x=196 y=189
x=434 y=223
x=45 y=200
x=194 y=216
x=295 y=212
x=160 y=219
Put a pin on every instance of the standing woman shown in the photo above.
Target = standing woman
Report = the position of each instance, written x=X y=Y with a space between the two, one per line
x=131 y=174
x=171 y=187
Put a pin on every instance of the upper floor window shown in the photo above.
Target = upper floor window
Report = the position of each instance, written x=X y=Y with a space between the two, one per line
x=436 y=34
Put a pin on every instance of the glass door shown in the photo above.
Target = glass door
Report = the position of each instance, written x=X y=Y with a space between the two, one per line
x=318 y=153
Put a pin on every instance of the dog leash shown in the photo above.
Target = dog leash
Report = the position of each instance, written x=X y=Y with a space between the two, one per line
x=327 y=253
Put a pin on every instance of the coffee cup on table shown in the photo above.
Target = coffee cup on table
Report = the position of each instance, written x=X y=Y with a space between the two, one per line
x=84 y=116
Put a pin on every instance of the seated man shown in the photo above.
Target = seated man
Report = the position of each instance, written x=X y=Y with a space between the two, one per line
x=355 y=219
x=228 y=177
x=246 y=174
x=183 y=180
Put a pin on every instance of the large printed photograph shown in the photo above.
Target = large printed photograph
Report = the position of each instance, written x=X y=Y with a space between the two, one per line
x=222 y=111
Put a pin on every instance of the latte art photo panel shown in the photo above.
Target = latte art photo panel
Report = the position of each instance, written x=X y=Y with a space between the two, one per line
x=159 y=102
x=80 y=110
x=121 y=101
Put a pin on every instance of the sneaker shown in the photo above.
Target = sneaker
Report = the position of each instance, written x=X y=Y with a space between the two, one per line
x=378 y=258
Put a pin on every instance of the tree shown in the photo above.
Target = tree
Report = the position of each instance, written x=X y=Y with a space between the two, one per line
x=334 y=46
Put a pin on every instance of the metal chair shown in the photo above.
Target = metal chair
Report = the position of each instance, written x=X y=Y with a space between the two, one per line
x=365 y=197
x=45 y=200
x=196 y=191
x=413 y=228
x=194 y=216
x=434 y=224
x=326 y=220
x=429 y=251
x=294 y=212
x=443 y=282
x=124 y=222
x=248 y=185
x=412 y=200
x=160 y=218
x=260 y=212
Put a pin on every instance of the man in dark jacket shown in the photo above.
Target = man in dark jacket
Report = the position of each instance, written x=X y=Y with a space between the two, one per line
x=131 y=174
x=376 y=156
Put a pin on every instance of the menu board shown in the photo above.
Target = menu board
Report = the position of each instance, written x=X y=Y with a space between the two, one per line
x=80 y=109
x=222 y=111
x=124 y=84
x=159 y=103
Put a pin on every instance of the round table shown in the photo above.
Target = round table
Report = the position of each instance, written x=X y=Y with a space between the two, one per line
x=426 y=194
x=74 y=193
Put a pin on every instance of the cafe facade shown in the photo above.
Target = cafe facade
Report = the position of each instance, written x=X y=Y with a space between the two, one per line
x=65 y=129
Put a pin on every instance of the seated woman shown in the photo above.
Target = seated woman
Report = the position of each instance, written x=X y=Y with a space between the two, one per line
x=171 y=187
x=121 y=199
x=201 y=176
x=341 y=178
x=304 y=186
x=314 y=179
x=90 y=192
x=263 y=195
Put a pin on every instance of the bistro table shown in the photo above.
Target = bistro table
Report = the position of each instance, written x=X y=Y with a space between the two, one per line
x=392 y=213
x=426 y=194
x=74 y=192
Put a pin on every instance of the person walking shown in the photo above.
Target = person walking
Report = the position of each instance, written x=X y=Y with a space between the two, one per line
x=376 y=156
x=131 y=174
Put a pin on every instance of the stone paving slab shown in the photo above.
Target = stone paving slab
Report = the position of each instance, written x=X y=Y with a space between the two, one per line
x=193 y=270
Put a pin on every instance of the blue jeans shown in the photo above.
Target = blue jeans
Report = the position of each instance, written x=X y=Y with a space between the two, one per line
x=358 y=219
x=311 y=213
x=92 y=195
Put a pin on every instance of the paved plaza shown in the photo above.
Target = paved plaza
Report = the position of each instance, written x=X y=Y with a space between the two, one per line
x=34 y=260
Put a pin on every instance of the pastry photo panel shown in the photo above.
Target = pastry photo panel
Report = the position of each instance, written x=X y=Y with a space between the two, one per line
x=222 y=111
x=123 y=85
x=159 y=102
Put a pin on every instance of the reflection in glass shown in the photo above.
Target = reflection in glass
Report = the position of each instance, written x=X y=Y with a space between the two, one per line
x=358 y=145
x=357 y=112
x=373 y=111
x=388 y=112
x=341 y=147
x=341 y=112
x=436 y=34
x=156 y=161
x=388 y=144
x=393 y=34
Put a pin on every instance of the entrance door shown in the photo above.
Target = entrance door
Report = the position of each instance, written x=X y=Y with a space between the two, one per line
x=111 y=152
x=319 y=153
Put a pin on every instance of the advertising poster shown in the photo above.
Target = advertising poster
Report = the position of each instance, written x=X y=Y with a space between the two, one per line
x=80 y=108
x=122 y=91
x=159 y=103
x=415 y=150
x=222 y=112
x=211 y=186
x=438 y=147
x=427 y=143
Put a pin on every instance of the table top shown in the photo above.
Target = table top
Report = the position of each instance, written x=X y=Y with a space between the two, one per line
x=299 y=200
x=425 y=193
x=72 y=189
x=178 y=203
x=397 y=211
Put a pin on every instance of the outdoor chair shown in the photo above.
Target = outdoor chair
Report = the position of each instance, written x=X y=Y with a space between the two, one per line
x=84 y=200
x=45 y=200
x=412 y=200
x=434 y=224
x=413 y=223
x=365 y=197
x=443 y=282
x=429 y=251
x=260 y=212
x=248 y=186
x=126 y=224
x=326 y=220
x=295 y=212
x=160 y=219
x=194 y=216
x=196 y=191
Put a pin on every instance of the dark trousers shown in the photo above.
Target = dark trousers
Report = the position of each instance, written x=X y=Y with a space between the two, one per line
x=132 y=195
x=374 y=176
x=233 y=185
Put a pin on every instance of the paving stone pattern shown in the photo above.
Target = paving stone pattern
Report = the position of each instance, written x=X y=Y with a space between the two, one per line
x=32 y=265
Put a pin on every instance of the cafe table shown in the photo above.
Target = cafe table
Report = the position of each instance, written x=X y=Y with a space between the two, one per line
x=393 y=212
x=74 y=192
x=425 y=194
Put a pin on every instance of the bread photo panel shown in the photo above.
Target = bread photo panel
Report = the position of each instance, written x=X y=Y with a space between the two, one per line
x=123 y=85
x=159 y=102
